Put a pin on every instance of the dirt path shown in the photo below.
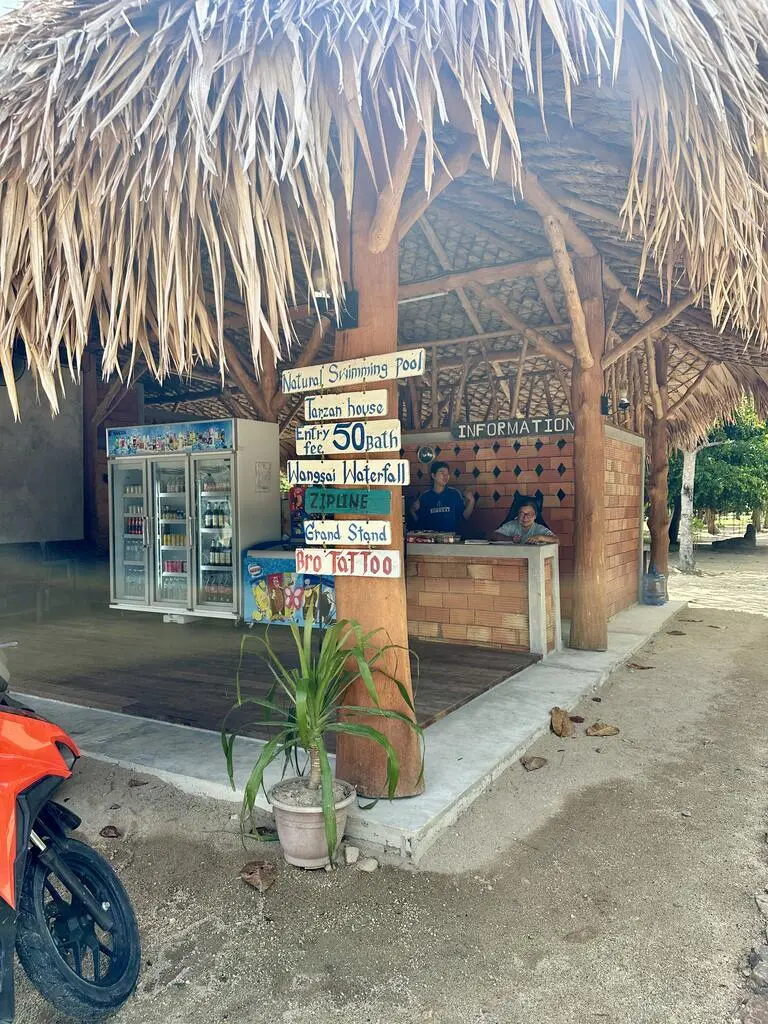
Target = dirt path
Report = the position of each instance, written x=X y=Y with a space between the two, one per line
x=614 y=885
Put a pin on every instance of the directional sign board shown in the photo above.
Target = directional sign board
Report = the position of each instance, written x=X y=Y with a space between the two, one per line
x=342 y=500
x=349 y=438
x=351 y=405
x=349 y=472
x=348 y=562
x=348 y=531
x=370 y=369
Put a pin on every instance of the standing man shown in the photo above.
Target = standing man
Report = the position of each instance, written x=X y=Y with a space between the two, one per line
x=442 y=508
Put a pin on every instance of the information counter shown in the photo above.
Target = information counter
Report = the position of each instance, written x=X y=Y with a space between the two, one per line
x=487 y=595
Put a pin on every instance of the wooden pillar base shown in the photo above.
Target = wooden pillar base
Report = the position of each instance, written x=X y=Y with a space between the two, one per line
x=658 y=496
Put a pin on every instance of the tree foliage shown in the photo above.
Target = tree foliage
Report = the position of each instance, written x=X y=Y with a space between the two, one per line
x=732 y=473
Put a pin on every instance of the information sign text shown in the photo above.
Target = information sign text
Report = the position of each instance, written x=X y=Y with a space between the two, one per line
x=351 y=405
x=349 y=438
x=349 y=472
x=368 y=369
x=348 y=562
x=348 y=531
x=319 y=500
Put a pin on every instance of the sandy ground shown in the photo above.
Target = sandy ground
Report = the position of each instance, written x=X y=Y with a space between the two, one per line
x=614 y=885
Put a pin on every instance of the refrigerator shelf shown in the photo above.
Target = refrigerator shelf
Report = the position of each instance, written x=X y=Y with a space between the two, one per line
x=170 y=494
x=174 y=547
x=138 y=494
x=215 y=494
x=216 y=568
x=174 y=574
x=126 y=562
x=177 y=522
x=215 y=529
x=132 y=536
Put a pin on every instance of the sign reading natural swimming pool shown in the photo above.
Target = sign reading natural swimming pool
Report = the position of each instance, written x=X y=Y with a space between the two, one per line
x=367 y=370
x=518 y=427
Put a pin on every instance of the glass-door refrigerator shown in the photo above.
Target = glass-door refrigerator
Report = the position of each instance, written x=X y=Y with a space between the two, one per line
x=186 y=499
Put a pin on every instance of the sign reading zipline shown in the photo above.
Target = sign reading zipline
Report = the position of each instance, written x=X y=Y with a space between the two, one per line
x=348 y=562
x=519 y=427
x=351 y=405
x=319 y=500
x=357 y=436
x=348 y=531
x=363 y=472
x=369 y=369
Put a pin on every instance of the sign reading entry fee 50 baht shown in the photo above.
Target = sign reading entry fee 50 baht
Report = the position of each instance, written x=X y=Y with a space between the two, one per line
x=354 y=437
x=373 y=369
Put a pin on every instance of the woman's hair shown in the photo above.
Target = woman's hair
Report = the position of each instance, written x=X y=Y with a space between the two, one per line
x=436 y=466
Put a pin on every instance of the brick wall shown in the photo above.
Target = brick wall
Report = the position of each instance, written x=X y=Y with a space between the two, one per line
x=623 y=493
x=470 y=601
x=495 y=469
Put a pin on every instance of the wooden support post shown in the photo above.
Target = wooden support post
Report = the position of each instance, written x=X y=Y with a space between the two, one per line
x=658 y=494
x=589 y=622
x=377 y=604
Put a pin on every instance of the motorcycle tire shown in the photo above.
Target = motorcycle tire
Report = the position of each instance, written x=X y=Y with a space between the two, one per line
x=84 y=972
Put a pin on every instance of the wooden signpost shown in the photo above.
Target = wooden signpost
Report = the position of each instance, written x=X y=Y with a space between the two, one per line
x=352 y=437
x=347 y=562
x=366 y=473
x=346 y=501
x=352 y=405
x=369 y=369
x=348 y=531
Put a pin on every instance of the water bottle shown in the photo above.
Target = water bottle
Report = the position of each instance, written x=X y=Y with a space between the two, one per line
x=654 y=587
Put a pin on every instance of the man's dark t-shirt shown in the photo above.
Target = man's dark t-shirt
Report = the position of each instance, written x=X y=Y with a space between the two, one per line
x=443 y=512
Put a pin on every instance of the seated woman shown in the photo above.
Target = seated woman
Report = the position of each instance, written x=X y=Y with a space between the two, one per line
x=524 y=524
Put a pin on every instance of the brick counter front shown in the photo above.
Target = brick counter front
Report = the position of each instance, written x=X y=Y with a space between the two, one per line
x=501 y=596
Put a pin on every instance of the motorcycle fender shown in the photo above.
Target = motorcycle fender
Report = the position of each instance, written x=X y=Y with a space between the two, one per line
x=7 y=946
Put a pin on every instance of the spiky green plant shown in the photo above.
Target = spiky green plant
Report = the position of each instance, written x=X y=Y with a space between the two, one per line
x=307 y=702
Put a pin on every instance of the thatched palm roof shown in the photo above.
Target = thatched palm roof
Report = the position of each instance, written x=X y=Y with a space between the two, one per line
x=154 y=156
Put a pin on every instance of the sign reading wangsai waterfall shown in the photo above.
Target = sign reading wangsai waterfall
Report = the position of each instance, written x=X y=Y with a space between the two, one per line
x=361 y=472
x=518 y=427
x=367 y=370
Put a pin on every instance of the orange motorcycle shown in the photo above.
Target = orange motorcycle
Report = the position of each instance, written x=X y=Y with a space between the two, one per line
x=62 y=907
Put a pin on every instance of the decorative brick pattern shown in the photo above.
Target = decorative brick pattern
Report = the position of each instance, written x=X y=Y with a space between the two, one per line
x=468 y=601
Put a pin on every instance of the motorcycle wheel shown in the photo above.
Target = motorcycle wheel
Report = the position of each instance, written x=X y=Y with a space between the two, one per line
x=85 y=972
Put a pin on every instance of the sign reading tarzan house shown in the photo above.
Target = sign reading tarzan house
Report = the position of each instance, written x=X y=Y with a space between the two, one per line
x=519 y=427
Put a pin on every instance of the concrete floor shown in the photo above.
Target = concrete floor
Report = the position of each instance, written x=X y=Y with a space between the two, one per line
x=614 y=885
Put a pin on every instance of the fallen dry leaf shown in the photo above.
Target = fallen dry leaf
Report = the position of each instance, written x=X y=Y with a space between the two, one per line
x=261 y=874
x=561 y=722
x=111 y=832
x=578 y=719
x=676 y=632
x=637 y=665
x=602 y=729
x=135 y=783
x=532 y=764
x=690 y=620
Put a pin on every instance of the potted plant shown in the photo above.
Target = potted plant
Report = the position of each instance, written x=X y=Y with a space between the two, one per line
x=305 y=703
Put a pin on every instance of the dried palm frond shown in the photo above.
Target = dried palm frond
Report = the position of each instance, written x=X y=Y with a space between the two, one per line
x=139 y=139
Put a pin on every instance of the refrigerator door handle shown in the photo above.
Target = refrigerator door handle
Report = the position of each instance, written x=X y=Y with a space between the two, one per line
x=145 y=531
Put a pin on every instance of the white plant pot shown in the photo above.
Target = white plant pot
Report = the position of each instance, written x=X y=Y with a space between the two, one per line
x=301 y=830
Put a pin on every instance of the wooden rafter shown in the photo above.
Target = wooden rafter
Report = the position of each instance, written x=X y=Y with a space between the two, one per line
x=690 y=392
x=442 y=258
x=390 y=198
x=649 y=329
x=564 y=267
x=534 y=336
x=546 y=296
x=456 y=164
x=114 y=395
x=247 y=383
x=479 y=276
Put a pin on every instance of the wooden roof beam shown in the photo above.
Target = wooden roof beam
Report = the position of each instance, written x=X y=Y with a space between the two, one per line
x=650 y=328
x=388 y=204
x=568 y=282
x=455 y=164
x=544 y=345
x=479 y=276
x=678 y=405
x=442 y=258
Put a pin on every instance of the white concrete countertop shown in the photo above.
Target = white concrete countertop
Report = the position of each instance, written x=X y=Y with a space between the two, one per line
x=527 y=551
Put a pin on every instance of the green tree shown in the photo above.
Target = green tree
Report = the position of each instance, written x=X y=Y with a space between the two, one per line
x=732 y=473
